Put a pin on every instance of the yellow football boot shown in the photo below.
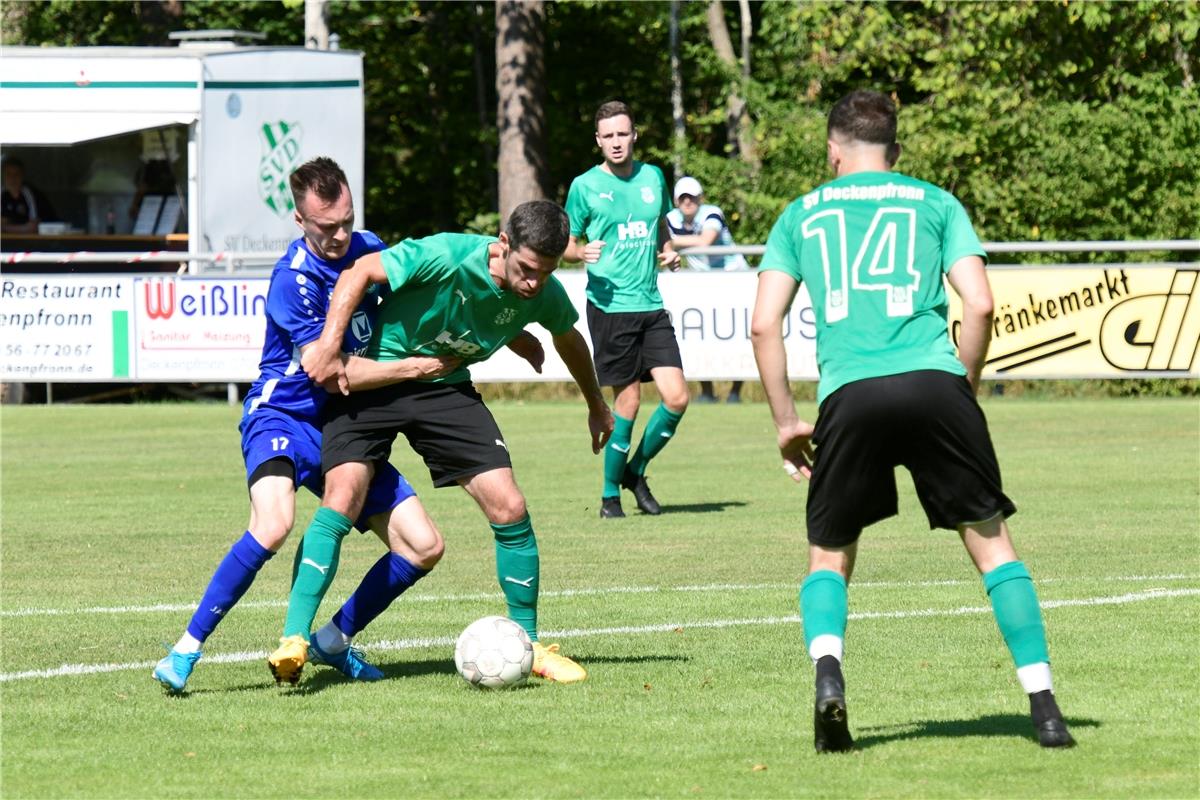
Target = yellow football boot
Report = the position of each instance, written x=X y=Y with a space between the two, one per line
x=548 y=664
x=287 y=661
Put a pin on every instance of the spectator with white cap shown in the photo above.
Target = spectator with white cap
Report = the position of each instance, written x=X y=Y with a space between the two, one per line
x=694 y=223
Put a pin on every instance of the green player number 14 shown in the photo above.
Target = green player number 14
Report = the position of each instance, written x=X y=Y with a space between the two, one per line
x=883 y=261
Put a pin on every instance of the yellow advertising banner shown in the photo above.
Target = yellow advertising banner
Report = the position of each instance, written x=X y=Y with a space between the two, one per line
x=1117 y=322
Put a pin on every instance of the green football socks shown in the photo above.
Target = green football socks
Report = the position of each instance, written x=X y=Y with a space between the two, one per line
x=659 y=431
x=615 y=454
x=517 y=569
x=313 y=570
x=824 y=608
x=1015 y=604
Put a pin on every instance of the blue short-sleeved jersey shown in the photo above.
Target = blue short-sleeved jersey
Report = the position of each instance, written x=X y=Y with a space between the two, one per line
x=282 y=414
x=297 y=302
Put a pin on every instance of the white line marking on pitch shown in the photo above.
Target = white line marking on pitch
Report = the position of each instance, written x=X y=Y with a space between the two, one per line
x=589 y=592
x=67 y=670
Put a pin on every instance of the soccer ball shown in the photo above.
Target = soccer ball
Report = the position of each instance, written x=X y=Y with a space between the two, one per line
x=494 y=653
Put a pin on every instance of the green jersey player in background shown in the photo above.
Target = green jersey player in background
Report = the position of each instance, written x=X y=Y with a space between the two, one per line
x=620 y=208
x=873 y=247
x=459 y=296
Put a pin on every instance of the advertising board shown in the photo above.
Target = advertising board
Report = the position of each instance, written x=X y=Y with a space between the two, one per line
x=1115 y=322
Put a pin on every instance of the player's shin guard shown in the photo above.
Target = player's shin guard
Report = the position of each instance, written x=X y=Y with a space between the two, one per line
x=615 y=454
x=384 y=582
x=659 y=431
x=517 y=569
x=232 y=578
x=316 y=564
x=1015 y=604
x=824 y=608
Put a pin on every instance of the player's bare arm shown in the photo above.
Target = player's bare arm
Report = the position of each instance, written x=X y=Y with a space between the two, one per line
x=776 y=290
x=529 y=347
x=667 y=257
x=588 y=253
x=323 y=361
x=704 y=238
x=574 y=352
x=366 y=373
x=968 y=277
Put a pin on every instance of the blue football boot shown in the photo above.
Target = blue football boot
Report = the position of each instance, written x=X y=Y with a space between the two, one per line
x=175 y=669
x=349 y=662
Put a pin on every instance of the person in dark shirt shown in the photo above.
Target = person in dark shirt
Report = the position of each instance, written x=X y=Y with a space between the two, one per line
x=23 y=206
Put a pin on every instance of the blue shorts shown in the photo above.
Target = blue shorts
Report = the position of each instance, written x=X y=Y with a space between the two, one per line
x=267 y=434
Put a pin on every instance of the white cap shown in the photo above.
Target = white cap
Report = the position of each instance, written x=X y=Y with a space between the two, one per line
x=688 y=185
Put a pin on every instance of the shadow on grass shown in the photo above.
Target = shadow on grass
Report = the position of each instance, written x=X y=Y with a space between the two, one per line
x=319 y=678
x=414 y=669
x=988 y=725
x=588 y=661
x=702 y=508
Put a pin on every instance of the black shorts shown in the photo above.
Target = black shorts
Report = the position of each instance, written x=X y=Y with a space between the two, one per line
x=927 y=421
x=446 y=423
x=626 y=345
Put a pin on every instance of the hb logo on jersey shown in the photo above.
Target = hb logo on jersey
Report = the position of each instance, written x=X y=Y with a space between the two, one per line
x=633 y=230
x=460 y=347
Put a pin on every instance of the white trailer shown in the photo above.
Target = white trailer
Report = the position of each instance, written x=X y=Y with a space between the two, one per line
x=230 y=123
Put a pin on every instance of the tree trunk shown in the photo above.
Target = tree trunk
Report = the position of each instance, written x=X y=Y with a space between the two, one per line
x=316 y=24
x=679 y=144
x=1181 y=59
x=737 y=116
x=520 y=113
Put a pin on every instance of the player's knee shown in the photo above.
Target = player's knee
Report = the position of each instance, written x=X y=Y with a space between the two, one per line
x=344 y=493
x=272 y=531
x=428 y=552
x=507 y=509
x=423 y=545
x=345 y=503
x=676 y=400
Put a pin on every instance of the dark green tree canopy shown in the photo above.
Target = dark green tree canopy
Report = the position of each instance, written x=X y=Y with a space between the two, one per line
x=1073 y=120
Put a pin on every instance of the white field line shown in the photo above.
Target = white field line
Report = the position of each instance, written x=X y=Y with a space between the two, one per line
x=588 y=592
x=445 y=641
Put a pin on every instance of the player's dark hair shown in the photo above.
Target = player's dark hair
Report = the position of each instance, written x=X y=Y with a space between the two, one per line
x=613 y=108
x=13 y=161
x=322 y=176
x=864 y=116
x=540 y=225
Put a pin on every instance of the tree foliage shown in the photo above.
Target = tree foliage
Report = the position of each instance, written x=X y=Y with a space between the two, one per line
x=1051 y=120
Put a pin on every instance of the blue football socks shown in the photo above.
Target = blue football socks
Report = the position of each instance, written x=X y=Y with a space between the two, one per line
x=390 y=576
x=233 y=577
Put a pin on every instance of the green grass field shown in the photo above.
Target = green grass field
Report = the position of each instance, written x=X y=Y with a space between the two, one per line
x=114 y=518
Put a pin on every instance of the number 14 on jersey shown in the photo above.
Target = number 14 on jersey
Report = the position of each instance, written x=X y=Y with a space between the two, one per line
x=888 y=243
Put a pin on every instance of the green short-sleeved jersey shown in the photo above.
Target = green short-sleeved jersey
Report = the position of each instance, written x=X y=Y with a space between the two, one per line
x=873 y=247
x=623 y=213
x=445 y=302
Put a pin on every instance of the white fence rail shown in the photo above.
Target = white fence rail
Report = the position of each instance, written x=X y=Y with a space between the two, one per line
x=197 y=263
x=1111 y=246
x=188 y=262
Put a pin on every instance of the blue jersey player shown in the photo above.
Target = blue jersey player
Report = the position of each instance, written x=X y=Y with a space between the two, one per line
x=281 y=436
